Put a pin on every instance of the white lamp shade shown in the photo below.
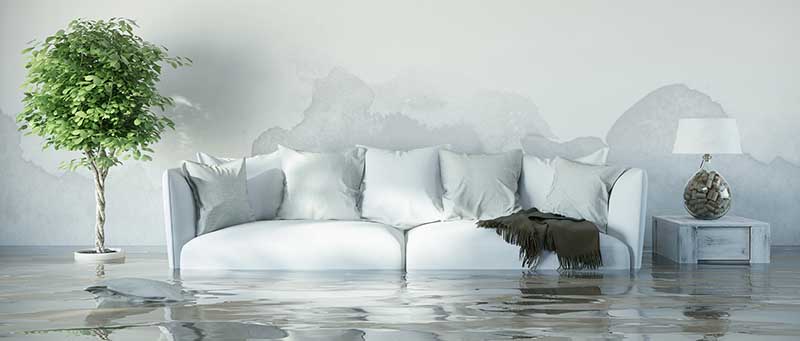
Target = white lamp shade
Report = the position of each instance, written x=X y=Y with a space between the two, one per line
x=707 y=136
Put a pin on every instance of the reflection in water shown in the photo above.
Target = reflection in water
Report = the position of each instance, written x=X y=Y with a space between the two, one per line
x=551 y=301
x=217 y=330
x=712 y=322
x=181 y=322
x=185 y=330
x=107 y=315
x=662 y=301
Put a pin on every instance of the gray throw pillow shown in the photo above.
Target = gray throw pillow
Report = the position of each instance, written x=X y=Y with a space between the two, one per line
x=220 y=194
x=581 y=191
x=480 y=186
x=264 y=181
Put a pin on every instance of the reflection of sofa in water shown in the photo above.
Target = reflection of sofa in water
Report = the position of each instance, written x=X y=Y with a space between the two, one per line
x=329 y=244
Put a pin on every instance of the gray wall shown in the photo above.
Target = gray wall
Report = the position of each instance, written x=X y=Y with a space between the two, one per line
x=480 y=75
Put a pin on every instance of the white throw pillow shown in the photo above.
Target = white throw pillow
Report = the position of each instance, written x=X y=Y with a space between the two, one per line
x=220 y=194
x=321 y=185
x=402 y=188
x=264 y=181
x=581 y=191
x=480 y=186
x=537 y=176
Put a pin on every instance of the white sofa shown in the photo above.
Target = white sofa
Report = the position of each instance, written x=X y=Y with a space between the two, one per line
x=330 y=245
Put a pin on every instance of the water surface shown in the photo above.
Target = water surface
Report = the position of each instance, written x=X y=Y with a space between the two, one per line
x=42 y=297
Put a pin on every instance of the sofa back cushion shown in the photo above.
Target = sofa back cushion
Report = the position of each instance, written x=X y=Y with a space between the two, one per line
x=220 y=194
x=321 y=185
x=581 y=191
x=480 y=186
x=537 y=176
x=402 y=188
x=264 y=181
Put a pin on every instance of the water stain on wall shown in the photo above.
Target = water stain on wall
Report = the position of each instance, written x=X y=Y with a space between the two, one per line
x=545 y=147
x=405 y=113
x=504 y=117
x=339 y=116
x=33 y=209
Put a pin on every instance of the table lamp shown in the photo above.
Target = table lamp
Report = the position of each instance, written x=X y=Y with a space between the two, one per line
x=707 y=194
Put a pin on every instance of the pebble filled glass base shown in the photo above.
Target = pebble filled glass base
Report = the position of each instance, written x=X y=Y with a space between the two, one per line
x=707 y=195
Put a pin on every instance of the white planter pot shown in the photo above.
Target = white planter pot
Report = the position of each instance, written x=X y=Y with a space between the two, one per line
x=88 y=256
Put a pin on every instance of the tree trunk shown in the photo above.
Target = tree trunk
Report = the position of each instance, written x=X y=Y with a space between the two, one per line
x=100 y=212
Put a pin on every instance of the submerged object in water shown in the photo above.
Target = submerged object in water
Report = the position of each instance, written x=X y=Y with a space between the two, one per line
x=138 y=290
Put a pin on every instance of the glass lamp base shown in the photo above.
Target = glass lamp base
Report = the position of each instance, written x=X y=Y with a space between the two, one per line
x=707 y=195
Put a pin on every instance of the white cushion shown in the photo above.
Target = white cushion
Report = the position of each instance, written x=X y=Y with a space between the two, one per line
x=297 y=245
x=461 y=245
x=264 y=181
x=402 y=188
x=537 y=176
x=480 y=186
x=581 y=191
x=220 y=194
x=321 y=185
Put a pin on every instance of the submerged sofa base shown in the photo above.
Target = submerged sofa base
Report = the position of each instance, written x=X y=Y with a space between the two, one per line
x=460 y=245
x=362 y=245
x=297 y=245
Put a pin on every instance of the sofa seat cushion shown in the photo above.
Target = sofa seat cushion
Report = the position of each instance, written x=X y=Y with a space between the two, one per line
x=461 y=245
x=297 y=245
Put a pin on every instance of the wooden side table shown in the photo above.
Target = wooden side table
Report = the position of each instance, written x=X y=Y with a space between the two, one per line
x=730 y=239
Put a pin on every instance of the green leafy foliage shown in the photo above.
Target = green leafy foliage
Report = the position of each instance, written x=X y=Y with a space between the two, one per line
x=92 y=88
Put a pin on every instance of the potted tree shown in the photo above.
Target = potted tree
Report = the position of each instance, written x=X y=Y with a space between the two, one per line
x=92 y=89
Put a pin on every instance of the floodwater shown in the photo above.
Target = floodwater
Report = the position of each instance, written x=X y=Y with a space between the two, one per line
x=42 y=297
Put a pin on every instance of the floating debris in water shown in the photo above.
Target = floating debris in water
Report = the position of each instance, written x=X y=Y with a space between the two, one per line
x=137 y=291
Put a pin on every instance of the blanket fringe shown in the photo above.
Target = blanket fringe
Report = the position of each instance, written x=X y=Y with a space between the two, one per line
x=531 y=247
x=588 y=261
x=526 y=239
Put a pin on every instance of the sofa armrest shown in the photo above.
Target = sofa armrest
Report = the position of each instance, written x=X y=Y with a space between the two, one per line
x=179 y=214
x=626 y=212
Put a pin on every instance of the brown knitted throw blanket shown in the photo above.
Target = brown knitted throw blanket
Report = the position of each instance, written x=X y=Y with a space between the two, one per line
x=575 y=241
